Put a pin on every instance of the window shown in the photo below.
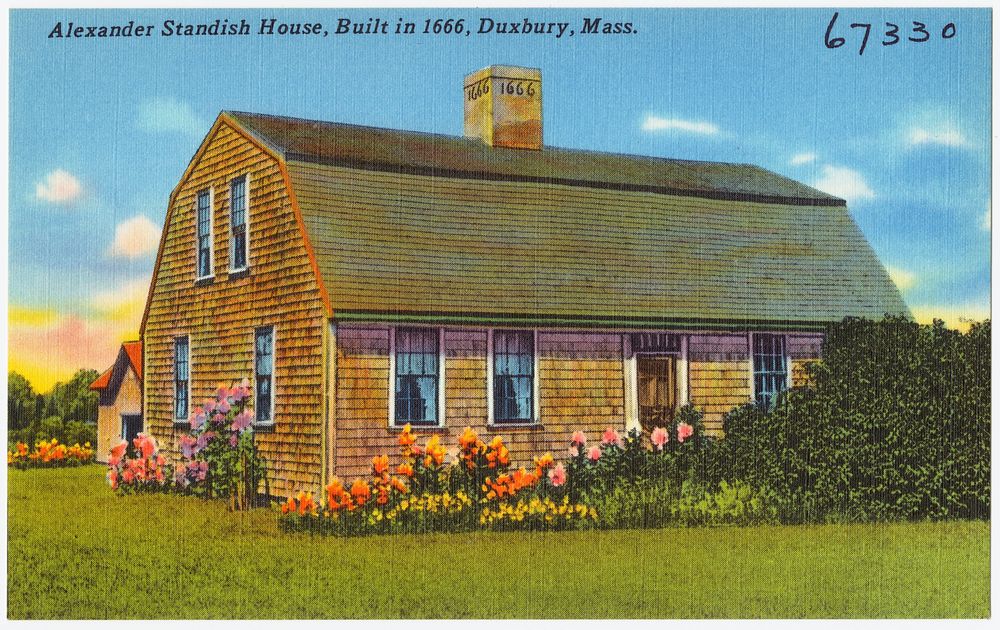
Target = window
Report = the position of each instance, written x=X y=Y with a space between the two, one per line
x=263 y=368
x=205 y=234
x=238 y=250
x=182 y=378
x=513 y=376
x=770 y=371
x=417 y=377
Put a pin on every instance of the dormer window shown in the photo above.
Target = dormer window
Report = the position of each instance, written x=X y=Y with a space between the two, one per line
x=239 y=243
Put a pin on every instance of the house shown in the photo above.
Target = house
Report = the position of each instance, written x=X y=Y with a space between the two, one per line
x=367 y=278
x=119 y=411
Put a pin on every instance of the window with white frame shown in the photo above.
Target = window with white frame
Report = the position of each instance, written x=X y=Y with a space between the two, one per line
x=770 y=368
x=239 y=247
x=204 y=218
x=513 y=376
x=263 y=368
x=182 y=377
x=417 y=378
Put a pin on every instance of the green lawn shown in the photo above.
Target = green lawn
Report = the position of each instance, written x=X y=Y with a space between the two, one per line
x=77 y=551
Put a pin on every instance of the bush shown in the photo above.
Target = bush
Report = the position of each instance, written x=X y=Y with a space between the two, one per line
x=735 y=504
x=53 y=427
x=895 y=426
x=636 y=504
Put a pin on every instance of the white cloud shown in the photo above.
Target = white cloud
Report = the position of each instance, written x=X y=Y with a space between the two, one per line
x=845 y=183
x=986 y=220
x=134 y=238
x=902 y=278
x=944 y=135
x=656 y=123
x=169 y=115
x=59 y=187
x=802 y=158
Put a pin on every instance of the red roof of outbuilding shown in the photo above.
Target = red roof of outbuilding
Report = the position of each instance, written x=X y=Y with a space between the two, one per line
x=133 y=350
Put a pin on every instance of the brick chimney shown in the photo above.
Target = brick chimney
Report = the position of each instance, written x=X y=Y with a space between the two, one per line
x=503 y=106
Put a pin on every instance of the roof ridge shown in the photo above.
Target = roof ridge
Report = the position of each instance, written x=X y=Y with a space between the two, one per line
x=477 y=142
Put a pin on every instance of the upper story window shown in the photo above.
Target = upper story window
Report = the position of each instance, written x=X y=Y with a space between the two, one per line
x=416 y=382
x=204 y=218
x=770 y=368
x=513 y=376
x=239 y=247
x=182 y=377
x=263 y=367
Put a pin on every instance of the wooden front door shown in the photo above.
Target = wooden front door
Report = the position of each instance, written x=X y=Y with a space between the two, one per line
x=657 y=382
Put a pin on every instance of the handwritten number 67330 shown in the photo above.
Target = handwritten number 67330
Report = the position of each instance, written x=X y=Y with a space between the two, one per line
x=919 y=33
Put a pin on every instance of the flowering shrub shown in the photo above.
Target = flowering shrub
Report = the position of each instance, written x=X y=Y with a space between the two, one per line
x=220 y=455
x=49 y=454
x=145 y=472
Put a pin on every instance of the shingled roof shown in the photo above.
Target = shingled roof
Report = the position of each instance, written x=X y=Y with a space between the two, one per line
x=130 y=351
x=423 y=227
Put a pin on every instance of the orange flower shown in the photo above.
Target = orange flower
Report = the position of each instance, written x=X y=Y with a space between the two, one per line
x=380 y=464
x=383 y=496
x=360 y=491
x=543 y=463
x=405 y=470
x=435 y=451
x=406 y=437
x=468 y=438
x=398 y=485
x=334 y=494
x=306 y=503
x=498 y=455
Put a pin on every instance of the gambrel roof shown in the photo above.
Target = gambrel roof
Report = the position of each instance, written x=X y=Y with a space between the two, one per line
x=418 y=226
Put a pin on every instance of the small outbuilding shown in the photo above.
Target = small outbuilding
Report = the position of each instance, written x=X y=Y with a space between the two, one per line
x=119 y=413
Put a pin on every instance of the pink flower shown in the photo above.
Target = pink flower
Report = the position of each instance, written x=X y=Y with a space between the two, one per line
x=594 y=453
x=659 y=437
x=198 y=418
x=242 y=420
x=113 y=478
x=127 y=475
x=116 y=453
x=240 y=392
x=234 y=439
x=221 y=393
x=180 y=475
x=199 y=470
x=203 y=440
x=574 y=450
x=189 y=446
x=223 y=407
x=160 y=460
x=209 y=406
x=579 y=438
x=611 y=437
x=684 y=431
x=558 y=475
x=145 y=444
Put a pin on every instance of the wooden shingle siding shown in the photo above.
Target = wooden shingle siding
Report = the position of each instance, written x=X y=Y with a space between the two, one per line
x=719 y=372
x=220 y=315
x=580 y=379
x=802 y=350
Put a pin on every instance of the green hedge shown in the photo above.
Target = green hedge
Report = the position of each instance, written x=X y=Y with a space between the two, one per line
x=896 y=425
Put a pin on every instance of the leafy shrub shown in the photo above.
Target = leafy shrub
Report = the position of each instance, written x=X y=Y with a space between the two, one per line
x=636 y=504
x=736 y=504
x=895 y=426
x=53 y=427
x=146 y=472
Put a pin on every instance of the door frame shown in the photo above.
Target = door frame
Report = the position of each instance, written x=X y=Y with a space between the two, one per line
x=631 y=377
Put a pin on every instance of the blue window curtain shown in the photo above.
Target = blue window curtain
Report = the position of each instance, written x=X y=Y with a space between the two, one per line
x=181 y=377
x=417 y=376
x=263 y=367
x=238 y=222
x=770 y=372
x=204 y=234
x=513 y=376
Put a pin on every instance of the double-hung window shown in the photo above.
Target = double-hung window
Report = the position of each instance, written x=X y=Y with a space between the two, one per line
x=239 y=248
x=417 y=376
x=770 y=368
x=513 y=376
x=204 y=234
x=263 y=367
x=182 y=378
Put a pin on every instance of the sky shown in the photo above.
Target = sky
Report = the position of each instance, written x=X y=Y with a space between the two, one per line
x=102 y=129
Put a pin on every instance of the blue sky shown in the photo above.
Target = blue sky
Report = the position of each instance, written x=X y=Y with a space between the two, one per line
x=101 y=130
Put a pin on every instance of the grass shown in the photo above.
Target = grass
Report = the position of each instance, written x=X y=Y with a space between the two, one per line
x=77 y=551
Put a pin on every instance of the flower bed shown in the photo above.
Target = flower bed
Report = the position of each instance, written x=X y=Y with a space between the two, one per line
x=479 y=490
x=50 y=454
